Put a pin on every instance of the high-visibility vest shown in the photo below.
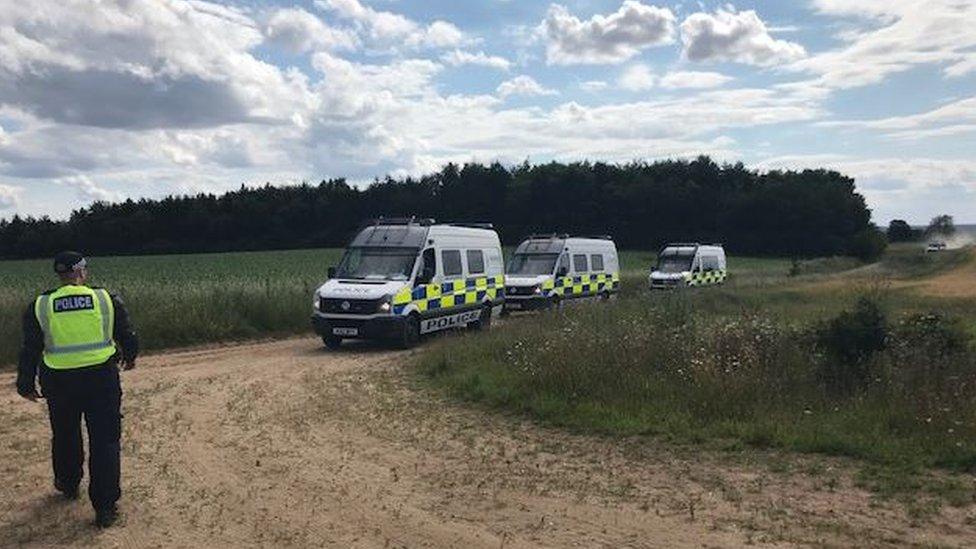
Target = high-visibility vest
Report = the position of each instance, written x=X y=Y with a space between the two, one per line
x=78 y=323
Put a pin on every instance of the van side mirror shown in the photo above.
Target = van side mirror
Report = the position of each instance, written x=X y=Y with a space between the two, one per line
x=562 y=271
x=332 y=272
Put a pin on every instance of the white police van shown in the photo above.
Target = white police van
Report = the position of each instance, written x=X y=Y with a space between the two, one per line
x=400 y=278
x=689 y=264
x=546 y=270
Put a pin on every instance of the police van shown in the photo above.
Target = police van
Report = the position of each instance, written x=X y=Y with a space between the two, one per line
x=548 y=269
x=400 y=278
x=683 y=265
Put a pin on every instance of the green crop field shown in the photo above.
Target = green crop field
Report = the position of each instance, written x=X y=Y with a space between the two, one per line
x=180 y=300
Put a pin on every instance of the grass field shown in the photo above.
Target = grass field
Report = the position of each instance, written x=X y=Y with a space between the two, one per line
x=186 y=299
x=178 y=300
x=752 y=364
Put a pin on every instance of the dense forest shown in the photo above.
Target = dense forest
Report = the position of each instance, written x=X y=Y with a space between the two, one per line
x=807 y=213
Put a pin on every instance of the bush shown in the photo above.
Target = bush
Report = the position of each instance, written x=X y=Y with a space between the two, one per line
x=933 y=334
x=868 y=245
x=848 y=342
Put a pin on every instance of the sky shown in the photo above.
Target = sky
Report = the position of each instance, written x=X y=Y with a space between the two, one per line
x=116 y=99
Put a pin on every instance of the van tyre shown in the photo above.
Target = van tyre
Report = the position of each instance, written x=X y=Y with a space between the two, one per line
x=332 y=342
x=410 y=335
x=484 y=321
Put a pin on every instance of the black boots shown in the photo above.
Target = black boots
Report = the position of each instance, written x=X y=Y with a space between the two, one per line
x=69 y=492
x=105 y=518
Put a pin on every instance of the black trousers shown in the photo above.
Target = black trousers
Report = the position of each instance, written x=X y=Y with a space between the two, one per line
x=95 y=394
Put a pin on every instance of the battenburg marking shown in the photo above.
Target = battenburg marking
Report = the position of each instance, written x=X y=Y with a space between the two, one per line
x=74 y=303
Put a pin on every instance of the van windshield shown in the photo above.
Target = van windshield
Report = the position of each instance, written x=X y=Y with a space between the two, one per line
x=674 y=263
x=532 y=264
x=368 y=263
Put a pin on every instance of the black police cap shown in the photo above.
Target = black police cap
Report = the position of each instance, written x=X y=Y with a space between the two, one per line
x=66 y=262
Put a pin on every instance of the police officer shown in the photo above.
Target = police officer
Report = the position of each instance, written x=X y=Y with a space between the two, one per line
x=78 y=335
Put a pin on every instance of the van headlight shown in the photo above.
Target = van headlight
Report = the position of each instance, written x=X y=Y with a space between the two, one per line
x=537 y=290
x=316 y=302
x=386 y=305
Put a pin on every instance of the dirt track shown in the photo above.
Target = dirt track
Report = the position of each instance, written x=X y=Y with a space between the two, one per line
x=284 y=444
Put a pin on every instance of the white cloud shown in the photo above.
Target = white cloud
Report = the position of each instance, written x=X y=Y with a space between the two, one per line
x=593 y=86
x=442 y=34
x=386 y=29
x=9 y=196
x=301 y=31
x=140 y=64
x=612 y=38
x=693 y=79
x=900 y=187
x=893 y=36
x=963 y=67
x=523 y=85
x=237 y=147
x=88 y=191
x=637 y=77
x=458 y=57
x=734 y=36
x=953 y=118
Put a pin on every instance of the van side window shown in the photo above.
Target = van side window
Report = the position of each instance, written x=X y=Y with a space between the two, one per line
x=596 y=262
x=579 y=263
x=709 y=263
x=452 y=262
x=476 y=262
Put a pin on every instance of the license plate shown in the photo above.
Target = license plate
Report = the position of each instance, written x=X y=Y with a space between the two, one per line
x=345 y=331
x=513 y=305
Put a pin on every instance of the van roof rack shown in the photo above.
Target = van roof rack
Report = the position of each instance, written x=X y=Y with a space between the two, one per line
x=412 y=220
x=473 y=225
x=596 y=236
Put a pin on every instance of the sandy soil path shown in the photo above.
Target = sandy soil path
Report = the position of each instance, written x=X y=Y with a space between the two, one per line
x=284 y=444
x=958 y=282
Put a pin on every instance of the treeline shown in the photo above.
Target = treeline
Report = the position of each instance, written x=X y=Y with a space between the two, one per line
x=643 y=205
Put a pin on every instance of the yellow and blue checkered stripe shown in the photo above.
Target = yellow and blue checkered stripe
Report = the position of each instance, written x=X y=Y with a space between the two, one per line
x=456 y=293
x=581 y=285
x=706 y=278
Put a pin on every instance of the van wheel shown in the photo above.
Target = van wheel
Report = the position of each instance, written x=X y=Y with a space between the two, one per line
x=605 y=296
x=554 y=304
x=332 y=342
x=484 y=321
x=410 y=336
